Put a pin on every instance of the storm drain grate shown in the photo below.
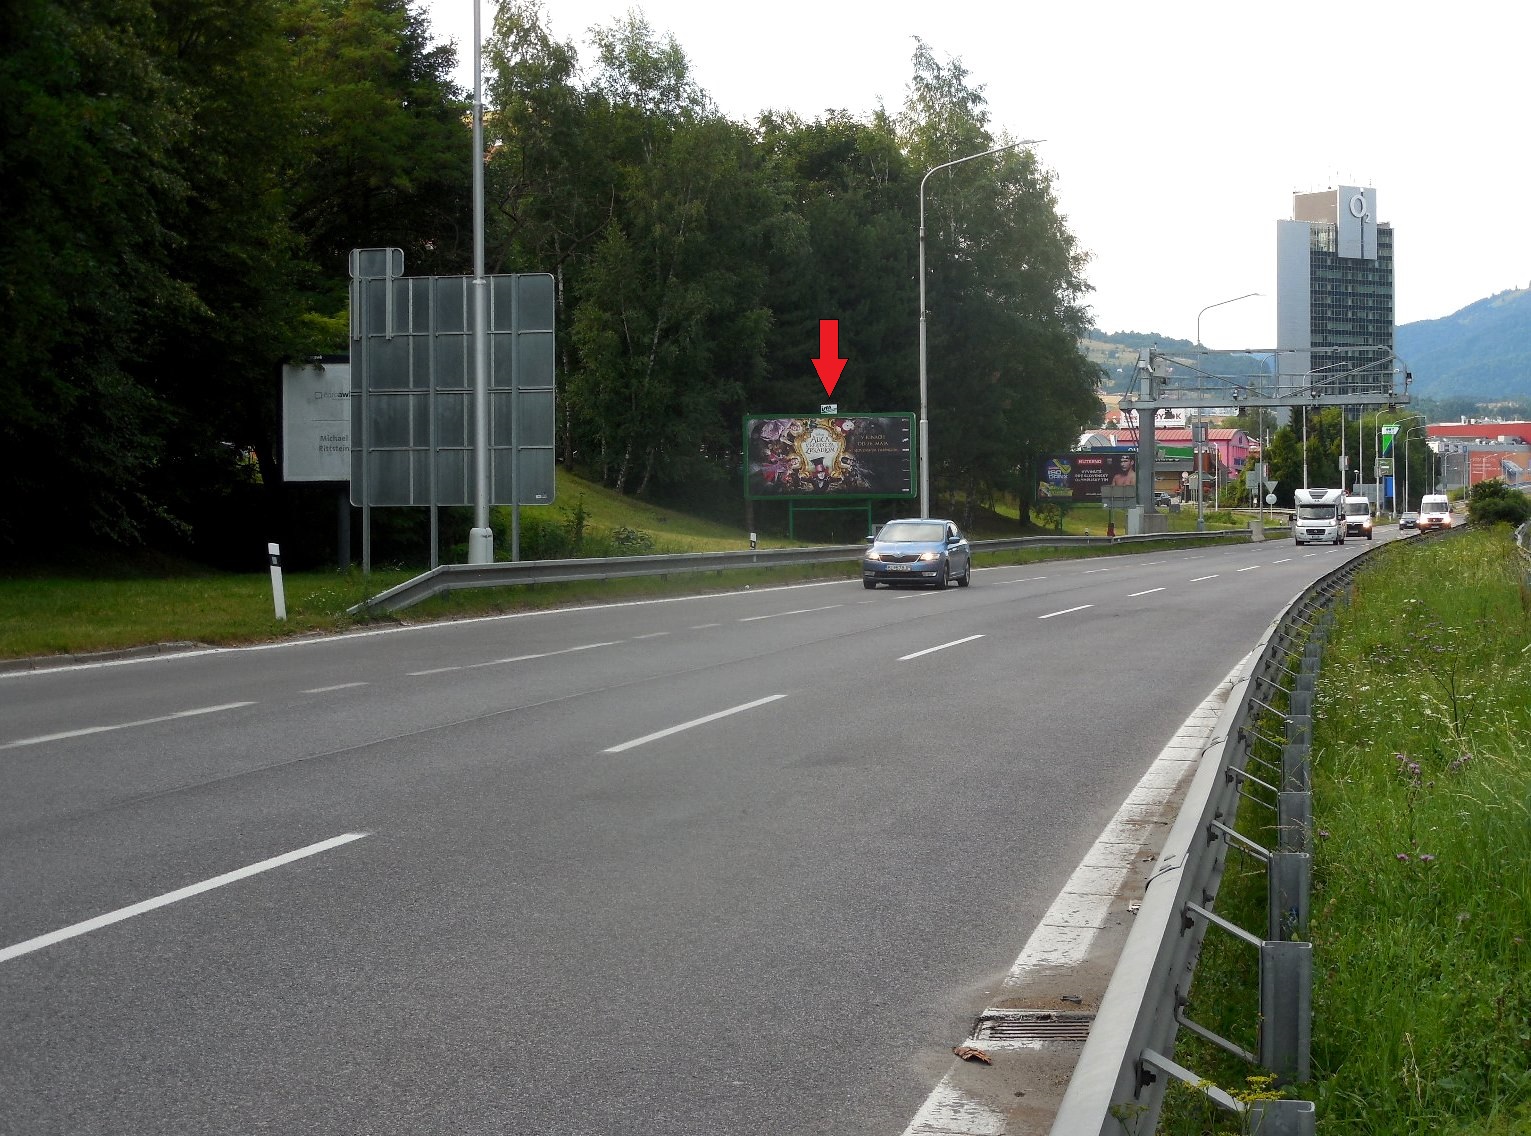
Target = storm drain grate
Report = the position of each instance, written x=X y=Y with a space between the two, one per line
x=1032 y=1025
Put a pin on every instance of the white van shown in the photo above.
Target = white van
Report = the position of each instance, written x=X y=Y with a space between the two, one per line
x=1358 y=517
x=1434 y=511
x=1319 y=517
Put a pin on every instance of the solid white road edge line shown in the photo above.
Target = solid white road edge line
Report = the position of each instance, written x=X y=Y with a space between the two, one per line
x=1065 y=611
x=694 y=722
x=173 y=896
x=942 y=647
x=123 y=725
x=1063 y=936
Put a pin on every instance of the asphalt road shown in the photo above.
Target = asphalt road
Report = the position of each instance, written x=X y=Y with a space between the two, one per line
x=745 y=863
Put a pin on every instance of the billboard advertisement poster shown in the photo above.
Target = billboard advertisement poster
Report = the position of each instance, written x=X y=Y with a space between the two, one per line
x=846 y=455
x=1081 y=476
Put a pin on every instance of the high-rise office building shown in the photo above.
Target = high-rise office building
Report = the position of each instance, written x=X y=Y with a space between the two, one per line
x=1334 y=293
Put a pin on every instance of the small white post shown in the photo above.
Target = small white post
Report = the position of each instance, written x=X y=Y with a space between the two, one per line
x=278 y=597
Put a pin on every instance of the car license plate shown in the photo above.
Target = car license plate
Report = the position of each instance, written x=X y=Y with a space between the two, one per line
x=899 y=567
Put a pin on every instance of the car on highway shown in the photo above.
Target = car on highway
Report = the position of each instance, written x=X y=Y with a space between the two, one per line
x=1409 y=521
x=917 y=550
x=1162 y=500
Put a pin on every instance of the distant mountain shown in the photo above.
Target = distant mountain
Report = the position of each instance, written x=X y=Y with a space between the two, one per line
x=1482 y=352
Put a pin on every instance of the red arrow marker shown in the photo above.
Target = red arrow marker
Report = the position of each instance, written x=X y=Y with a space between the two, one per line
x=829 y=364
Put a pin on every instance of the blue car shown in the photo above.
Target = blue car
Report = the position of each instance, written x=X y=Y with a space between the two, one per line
x=921 y=550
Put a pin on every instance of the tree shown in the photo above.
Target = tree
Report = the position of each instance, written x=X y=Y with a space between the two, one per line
x=1495 y=502
x=1005 y=284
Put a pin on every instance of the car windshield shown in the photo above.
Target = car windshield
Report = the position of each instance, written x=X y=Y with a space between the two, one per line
x=1315 y=512
x=1357 y=508
x=902 y=532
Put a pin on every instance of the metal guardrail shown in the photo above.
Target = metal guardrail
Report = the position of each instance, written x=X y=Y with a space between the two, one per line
x=1124 y=1069
x=454 y=577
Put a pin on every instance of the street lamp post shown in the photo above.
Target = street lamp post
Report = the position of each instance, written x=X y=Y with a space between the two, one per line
x=1219 y=304
x=1407 y=434
x=924 y=441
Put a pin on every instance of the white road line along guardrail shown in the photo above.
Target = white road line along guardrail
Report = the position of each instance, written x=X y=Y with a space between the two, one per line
x=455 y=577
x=1127 y=1061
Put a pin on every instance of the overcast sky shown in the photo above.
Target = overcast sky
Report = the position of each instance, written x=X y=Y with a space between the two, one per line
x=1177 y=131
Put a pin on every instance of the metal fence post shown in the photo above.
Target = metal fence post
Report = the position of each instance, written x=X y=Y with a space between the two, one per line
x=1289 y=888
x=1282 y=1118
x=1294 y=820
x=1286 y=1008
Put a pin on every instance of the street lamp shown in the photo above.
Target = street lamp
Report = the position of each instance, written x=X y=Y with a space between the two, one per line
x=924 y=409
x=1407 y=434
x=1219 y=304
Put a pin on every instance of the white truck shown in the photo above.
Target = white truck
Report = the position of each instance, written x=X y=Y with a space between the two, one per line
x=1434 y=511
x=1358 y=517
x=1320 y=517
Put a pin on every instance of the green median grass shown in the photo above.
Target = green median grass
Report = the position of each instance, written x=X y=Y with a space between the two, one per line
x=1421 y=907
x=120 y=603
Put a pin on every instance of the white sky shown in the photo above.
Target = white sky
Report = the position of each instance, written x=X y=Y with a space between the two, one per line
x=1177 y=130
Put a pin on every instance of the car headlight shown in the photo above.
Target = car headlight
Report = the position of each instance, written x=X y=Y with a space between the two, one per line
x=873 y=554
x=930 y=556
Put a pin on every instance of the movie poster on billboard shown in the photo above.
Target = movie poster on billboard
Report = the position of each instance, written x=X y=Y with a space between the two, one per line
x=856 y=455
x=1081 y=476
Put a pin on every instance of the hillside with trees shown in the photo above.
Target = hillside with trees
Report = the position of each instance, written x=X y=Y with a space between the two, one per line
x=182 y=183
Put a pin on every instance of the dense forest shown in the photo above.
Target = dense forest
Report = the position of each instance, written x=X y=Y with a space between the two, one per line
x=182 y=181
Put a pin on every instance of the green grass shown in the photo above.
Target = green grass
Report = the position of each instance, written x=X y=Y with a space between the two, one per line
x=1421 y=924
x=117 y=603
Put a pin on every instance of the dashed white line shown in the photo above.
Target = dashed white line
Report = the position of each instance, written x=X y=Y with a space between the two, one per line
x=1065 y=611
x=1027 y=580
x=1092 y=571
x=337 y=686
x=438 y=670
x=123 y=725
x=1149 y=592
x=704 y=626
x=942 y=647
x=1284 y=560
x=1199 y=579
x=1251 y=568
x=170 y=897
x=798 y=611
x=538 y=655
x=654 y=737
x=652 y=635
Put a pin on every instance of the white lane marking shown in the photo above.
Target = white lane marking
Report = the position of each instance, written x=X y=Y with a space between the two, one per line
x=1061 y=941
x=337 y=686
x=540 y=655
x=942 y=647
x=652 y=635
x=798 y=611
x=1027 y=580
x=123 y=725
x=1065 y=611
x=434 y=671
x=1092 y=571
x=654 y=737
x=170 y=897
x=1199 y=579
x=704 y=626
x=1149 y=592
x=1286 y=560
x=1251 y=568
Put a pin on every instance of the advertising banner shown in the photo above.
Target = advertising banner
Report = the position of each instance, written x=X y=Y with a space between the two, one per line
x=1081 y=476
x=845 y=455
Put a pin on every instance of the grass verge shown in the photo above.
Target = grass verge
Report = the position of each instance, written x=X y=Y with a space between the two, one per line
x=1422 y=866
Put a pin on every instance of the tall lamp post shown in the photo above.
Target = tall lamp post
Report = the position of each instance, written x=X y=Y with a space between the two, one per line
x=924 y=401
x=1424 y=431
x=1219 y=304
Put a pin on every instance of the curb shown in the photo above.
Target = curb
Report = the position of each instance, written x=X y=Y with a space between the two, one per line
x=53 y=662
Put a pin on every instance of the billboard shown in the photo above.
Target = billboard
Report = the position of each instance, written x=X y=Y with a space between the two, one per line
x=1080 y=476
x=842 y=455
